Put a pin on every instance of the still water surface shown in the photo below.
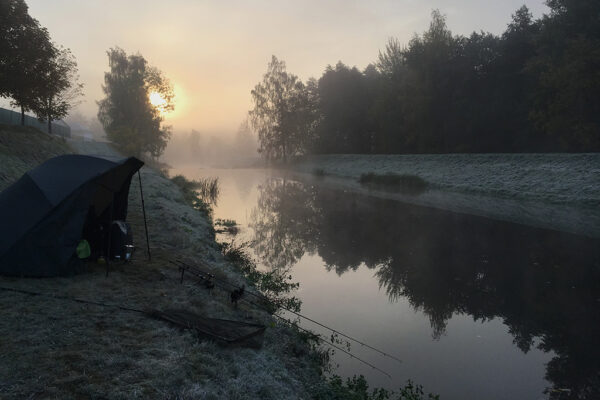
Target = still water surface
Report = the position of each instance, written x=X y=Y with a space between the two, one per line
x=475 y=308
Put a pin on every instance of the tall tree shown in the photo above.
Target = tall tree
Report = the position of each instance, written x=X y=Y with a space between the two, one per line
x=282 y=114
x=345 y=102
x=129 y=117
x=60 y=90
x=25 y=53
x=567 y=63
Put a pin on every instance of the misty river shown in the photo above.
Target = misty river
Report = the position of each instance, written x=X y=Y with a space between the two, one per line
x=474 y=307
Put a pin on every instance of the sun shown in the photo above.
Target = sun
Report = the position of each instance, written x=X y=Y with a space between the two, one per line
x=157 y=100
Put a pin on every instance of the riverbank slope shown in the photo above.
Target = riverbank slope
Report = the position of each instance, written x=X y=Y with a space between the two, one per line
x=555 y=191
x=55 y=348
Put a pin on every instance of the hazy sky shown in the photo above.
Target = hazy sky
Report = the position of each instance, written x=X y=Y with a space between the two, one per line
x=214 y=52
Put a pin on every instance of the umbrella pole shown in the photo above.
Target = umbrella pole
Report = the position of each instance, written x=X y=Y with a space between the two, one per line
x=109 y=230
x=144 y=212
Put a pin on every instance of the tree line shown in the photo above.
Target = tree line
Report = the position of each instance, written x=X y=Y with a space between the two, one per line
x=534 y=88
x=38 y=75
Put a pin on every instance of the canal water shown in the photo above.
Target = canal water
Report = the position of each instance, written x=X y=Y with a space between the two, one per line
x=475 y=308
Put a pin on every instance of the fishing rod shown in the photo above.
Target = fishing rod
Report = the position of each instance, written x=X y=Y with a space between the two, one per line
x=264 y=298
x=317 y=336
x=325 y=341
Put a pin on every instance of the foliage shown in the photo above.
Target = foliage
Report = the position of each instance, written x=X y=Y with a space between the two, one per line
x=208 y=188
x=200 y=200
x=227 y=226
x=282 y=113
x=273 y=285
x=567 y=62
x=357 y=388
x=126 y=113
x=345 y=125
x=532 y=89
x=319 y=172
x=36 y=74
x=226 y=222
x=61 y=90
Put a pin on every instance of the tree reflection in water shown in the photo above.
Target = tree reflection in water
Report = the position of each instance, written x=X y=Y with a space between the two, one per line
x=544 y=285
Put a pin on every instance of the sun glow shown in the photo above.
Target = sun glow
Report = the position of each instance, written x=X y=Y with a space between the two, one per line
x=157 y=100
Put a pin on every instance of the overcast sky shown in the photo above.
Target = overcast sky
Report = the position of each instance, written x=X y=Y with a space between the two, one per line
x=214 y=52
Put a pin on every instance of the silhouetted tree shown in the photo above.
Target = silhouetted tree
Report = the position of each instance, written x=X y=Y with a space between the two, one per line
x=282 y=114
x=60 y=90
x=532 y=89
x=128 y=117
x=26 y=53
x=567 y=105
x=344 y=102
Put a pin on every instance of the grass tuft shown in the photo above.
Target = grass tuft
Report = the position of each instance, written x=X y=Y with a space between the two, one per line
x=200 y=194
x=319 y=172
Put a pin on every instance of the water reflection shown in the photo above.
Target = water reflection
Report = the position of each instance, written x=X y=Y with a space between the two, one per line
x=544 y=285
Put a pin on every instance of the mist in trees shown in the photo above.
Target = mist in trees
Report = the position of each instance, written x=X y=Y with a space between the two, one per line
x=213 y=149
x=282 y=113
x=130 y=120
x=38 y=75
x=532 y=89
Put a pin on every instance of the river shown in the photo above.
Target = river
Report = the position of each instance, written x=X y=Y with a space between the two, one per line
x=475 y=308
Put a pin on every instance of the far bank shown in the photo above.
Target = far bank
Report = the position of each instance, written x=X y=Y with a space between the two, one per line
x=555 y=191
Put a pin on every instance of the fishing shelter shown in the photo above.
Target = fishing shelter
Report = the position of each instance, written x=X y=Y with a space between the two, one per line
x=45 y=214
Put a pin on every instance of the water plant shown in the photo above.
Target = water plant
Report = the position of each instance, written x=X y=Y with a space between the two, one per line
x=200 y=194
x=273 y=285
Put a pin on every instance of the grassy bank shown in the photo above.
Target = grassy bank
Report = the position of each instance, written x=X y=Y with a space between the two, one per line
x=552 y=191
x=53 y=348
x=22 y=147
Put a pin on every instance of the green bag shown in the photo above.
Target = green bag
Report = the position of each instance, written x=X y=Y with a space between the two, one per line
x=83 y=249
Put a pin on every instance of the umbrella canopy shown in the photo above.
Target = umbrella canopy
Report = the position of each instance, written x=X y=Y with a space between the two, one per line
x=43 y=214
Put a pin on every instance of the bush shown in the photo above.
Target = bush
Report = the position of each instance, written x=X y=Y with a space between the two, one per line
x=319 y=172
x=273 y=285
x=357 y=388
x=404 y=182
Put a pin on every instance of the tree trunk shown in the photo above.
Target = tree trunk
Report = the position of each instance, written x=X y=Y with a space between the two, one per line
x=22 y=116
x=49 y=124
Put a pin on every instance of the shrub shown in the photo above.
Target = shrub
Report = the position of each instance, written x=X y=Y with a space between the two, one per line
x=404 y=182
x=273 y=285
x=319 y=172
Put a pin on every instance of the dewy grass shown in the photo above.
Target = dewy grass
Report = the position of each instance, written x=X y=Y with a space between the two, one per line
x=402 y=182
